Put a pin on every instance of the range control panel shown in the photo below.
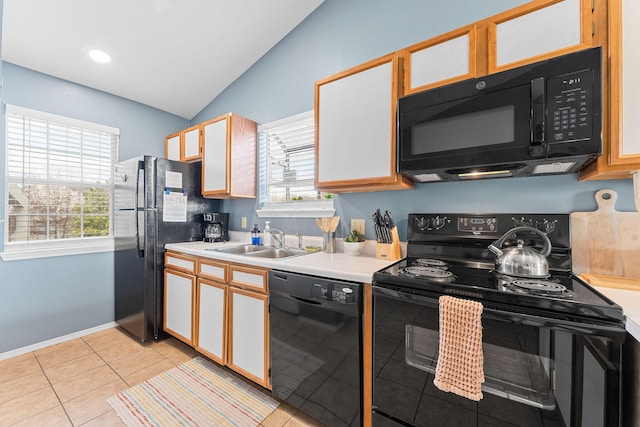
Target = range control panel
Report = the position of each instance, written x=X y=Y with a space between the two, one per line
x=443 y=227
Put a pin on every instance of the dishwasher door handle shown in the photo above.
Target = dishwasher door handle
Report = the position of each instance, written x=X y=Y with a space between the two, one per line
x=305 y=300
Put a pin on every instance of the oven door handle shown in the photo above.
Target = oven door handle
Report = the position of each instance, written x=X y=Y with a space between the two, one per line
x=616 y=332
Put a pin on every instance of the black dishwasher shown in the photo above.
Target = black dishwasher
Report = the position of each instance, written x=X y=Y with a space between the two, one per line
x=316 y=346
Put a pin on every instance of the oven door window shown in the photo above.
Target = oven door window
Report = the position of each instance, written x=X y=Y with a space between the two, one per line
x=482 y=126
x=535 y=375
x=511 y=373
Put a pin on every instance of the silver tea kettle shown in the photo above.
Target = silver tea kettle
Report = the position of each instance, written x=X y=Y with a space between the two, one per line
x=521 y=260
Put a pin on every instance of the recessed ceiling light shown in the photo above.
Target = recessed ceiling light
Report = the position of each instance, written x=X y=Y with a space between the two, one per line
x=99 y=56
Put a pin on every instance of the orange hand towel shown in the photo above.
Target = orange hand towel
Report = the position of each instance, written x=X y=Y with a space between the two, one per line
x=460 y=359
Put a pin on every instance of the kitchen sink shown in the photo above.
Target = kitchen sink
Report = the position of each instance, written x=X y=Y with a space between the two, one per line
x=262 y=251
x=243 y=249
x=280 y=253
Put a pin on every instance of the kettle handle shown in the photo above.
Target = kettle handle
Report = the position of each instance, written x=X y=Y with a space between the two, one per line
x=546 y=250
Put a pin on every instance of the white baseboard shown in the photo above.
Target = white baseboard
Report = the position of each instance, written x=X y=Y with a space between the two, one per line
x=58 y=340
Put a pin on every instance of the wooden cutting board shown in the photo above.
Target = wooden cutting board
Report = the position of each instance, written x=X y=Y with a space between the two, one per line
x=606 y=241
x=599 y=280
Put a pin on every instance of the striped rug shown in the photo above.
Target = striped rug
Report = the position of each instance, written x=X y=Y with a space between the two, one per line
x=196 y=393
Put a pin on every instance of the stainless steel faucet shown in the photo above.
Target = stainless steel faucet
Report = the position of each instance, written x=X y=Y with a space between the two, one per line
x=277 y=238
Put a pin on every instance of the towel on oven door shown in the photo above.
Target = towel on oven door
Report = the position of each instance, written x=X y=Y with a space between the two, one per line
x=460 y=360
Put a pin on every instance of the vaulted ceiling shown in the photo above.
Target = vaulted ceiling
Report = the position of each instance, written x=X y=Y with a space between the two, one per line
x=174 y=55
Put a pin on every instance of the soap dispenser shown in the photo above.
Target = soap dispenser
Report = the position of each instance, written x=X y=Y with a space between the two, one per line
x=255 y=236
x=266 y=238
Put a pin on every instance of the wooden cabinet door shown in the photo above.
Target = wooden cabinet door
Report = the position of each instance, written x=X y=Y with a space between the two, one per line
x=248 y=351
x=229 y=145
x=179 y=296
x=251 y=278
x=211 y=320
x=355 y=128
x=191 y=144
x=184 y=146
x=617 y=27
x=441 y=60
x=625 y=87
x=172 y=147
x=538 y=30
x=215 y=149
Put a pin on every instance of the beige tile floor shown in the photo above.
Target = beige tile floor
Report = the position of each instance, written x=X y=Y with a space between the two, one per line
x=68 y=384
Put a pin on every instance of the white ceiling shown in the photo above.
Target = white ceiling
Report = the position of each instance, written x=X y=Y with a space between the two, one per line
x=175 y=55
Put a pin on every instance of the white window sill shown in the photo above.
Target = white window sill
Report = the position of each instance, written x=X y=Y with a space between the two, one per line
x=297 y=209
x=18 y=251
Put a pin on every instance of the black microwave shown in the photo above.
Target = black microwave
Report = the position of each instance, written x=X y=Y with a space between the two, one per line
x=539 y=119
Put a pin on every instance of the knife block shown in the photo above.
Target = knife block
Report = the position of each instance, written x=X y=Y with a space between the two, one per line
x=389 y=251
x=386 y=251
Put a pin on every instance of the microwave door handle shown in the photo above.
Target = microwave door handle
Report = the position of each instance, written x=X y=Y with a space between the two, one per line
x=538 y=103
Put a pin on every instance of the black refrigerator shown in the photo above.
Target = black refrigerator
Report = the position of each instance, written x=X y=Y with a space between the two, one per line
x=156 y=201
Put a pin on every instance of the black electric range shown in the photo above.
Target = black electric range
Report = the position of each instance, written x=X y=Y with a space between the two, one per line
x=448 y=254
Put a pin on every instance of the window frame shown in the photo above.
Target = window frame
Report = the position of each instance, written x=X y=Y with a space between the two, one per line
x=322 y=207
x=56 y=247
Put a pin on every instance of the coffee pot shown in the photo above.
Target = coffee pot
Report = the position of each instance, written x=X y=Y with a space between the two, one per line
x=217 y=228
x=521 y=260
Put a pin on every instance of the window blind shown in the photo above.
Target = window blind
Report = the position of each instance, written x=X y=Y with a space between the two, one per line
x=59 y=175
x=290 y=159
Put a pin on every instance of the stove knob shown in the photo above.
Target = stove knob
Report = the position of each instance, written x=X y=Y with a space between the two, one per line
x=521 y=222
x=438 y=222
x=422 y=223
x=546 y=226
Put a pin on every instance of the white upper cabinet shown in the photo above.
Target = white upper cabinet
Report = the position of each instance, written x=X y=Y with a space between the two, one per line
x=626 y=81
x=172 y=147
x=441 y=60
x=538 y=30
x=184 y=146
x=229 y=145
x=617 y=29
x=355 y=128
x=214 y=158
x=191 y=144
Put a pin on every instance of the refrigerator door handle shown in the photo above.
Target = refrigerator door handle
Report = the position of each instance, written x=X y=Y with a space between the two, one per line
x=139 y=246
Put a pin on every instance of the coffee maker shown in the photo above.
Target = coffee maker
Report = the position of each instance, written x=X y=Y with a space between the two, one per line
x=217 y=228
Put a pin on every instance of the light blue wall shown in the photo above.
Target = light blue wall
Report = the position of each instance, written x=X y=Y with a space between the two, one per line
x=51 y=297
x=341 y=34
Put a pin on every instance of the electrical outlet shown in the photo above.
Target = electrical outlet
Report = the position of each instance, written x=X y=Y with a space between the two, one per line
x=243 y=222
x=358 y=225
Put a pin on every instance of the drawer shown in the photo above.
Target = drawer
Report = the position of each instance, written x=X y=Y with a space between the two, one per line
x=180 y=262
x=247 y=277
x=210 y=269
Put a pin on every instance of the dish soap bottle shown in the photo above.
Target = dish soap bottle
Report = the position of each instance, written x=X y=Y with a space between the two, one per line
x=255 y=236
x=266 y=238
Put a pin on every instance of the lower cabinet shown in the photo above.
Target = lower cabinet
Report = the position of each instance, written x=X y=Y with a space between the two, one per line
x=221 y=309
x=179 y=292
x=179 y=295
x=211 y=321
x=248 y=334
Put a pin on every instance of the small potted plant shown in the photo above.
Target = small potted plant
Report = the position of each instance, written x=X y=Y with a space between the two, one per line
x=353 y=243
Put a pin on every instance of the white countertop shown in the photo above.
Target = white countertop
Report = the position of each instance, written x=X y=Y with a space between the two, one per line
x=630 y=303
x=336 y=266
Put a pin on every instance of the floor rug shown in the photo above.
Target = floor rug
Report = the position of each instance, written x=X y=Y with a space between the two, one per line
x=196 y=393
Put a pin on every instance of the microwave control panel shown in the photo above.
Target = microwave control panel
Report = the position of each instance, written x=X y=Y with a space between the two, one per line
x=569 y=114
